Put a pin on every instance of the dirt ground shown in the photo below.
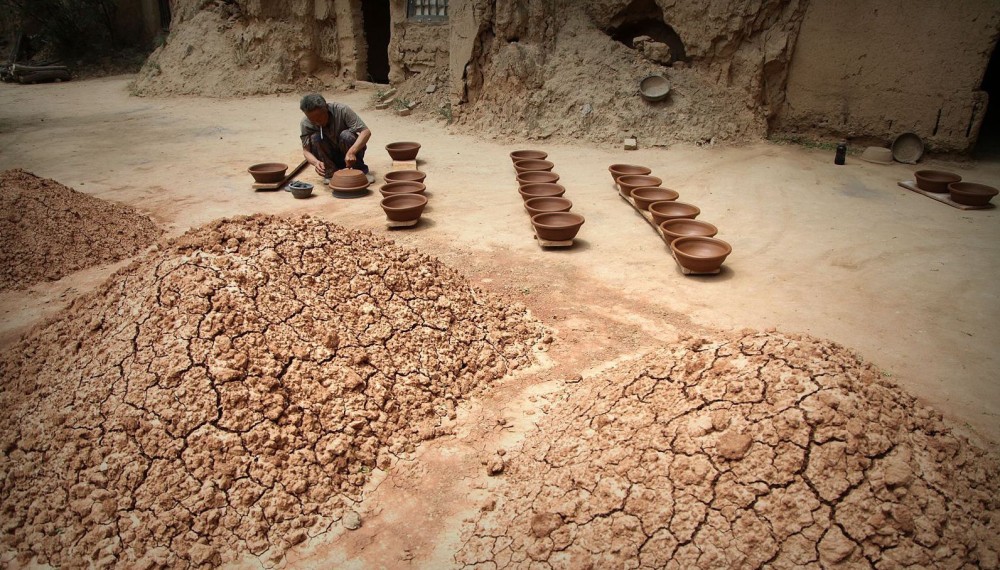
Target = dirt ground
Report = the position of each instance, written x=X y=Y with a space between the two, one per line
x=839 y=252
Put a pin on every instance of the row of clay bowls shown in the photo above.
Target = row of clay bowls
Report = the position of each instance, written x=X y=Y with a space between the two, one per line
x=691 y=241
x=543 y=197
x=942 y=181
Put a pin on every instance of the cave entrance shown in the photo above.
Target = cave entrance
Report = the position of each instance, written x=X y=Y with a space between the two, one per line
x=645 y=18
x=375 y=14
x=164 y=6
x=988 y=142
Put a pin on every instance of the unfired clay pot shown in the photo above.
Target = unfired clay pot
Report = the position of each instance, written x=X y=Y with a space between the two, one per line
x=663 y=211
x=529 y=191
x=683 y=227
x=403 y=207
x=935 y=180
x=403 y=150
x=971 y=194
x=268 y=172
x=645 y=196
x=618 y=170
x=405 y=176
x=348 y=179
x=700 y=254
x=536 y=176
x=531 y=164
x=544 y=204
x=528 y=154
x=632 y=181
x=557 y=226
x=402 y=187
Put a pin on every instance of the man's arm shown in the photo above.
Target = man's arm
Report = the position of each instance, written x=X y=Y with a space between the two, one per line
x=351 y=156
x=317 y=163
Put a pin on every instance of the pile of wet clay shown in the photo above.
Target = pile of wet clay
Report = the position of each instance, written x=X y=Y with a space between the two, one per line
x=746 y=451
x=229 y=393
x=48 y=230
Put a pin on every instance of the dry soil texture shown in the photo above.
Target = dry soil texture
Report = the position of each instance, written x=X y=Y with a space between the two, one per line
x=230 y=392
x=48 y=230
x=748 y=451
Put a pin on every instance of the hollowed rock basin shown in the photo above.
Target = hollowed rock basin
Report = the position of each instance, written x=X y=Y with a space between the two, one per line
x=533 y=165
x=528 y=155
x=619 y=170
x=536 y=176
x=630 y=182
x=971 y=194
x=682 y=227
x=403 y=150
x=268 y=172
x=403 y=187
x=644 y=196
x=935 y=180
x=541 y=189
x=545 y=204
x=663 y=211
x=403 y=207
x=557 y=226
x=700 y=254
x=405 y=176
x=348 y=179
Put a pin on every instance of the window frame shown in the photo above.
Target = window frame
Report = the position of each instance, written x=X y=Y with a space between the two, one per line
x=431 y=5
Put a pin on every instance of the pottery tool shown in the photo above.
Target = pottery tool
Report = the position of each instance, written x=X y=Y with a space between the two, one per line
x=277 y=185
x=943 y=198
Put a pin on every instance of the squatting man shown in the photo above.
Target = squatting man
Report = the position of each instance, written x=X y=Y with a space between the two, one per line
x=333 y=136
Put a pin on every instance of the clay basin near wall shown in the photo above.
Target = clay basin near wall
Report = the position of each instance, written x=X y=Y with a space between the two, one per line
x=644 y=196
x=971 y=193
x=700 y=254
x=268 y=172
x=405 y=176
x=557 y=226
x=935 y=180
x=619 y=170
x=404 y=187
x=348 y=179
x=541 y=189
x=528 y=155
x=533 y=165
x=683 y=227
x=663 y=211
x=545 y=204
x=403 y=150
x=536 y=177
x=630 y=182
x=403 y=207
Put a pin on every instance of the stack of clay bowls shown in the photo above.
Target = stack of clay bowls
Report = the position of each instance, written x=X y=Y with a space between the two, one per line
x=543 y=197
x=403 y=197
x=966 y=193
x=349 y=181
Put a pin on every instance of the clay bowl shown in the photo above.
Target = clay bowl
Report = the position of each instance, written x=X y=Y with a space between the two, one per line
x=545 y=204
x=557 y=226
x=971 y=194
x=683 y=227
x=403 y=207
x=935 y=180
x=402 y=187
x=541 y=189
x=536 y=176
x=699 y=253
x=348 y=179
x=403 y=150
x=528 y=154
x=663 y=211
x=618 y=170
x=644 y=196
x=533 y=165
x=654 y=87
x=268 y=172
x=300 y=190
x=630 y=182
x=405 y=176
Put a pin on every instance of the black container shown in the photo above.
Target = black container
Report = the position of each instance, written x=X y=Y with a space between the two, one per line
x=841 y=154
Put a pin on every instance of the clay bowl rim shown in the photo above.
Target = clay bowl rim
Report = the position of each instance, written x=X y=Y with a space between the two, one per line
x=526 y=196
x=660 y=217
x=617 y=174
x=395 y=146
x=647 y=201
x=520 y=168
x=534 y=211
x=972 y=198
x=400 y=195
x=935 y=179
x=674 y=236
x=421 y=176
x=544 y=154
x=678 y=243
x=537 y=222
x=626 y=186
x=406 y=183
x=521 y=182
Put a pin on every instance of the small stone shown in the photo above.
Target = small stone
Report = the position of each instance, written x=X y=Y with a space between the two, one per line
x=835 y=547
x=352 y=520
x=733 y=446
x=587 y=109
x=544 y=524
x=495 y=466
x=431 y=88
x=631 y=144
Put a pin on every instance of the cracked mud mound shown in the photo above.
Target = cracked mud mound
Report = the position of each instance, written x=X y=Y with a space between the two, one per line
x=229 y=393
x=48 y=230
x=748 y=451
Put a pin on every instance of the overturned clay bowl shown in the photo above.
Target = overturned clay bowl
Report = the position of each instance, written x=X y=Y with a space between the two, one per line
x=632 y=181
x=268 y=172
x=682 y=227
x=700 y=254
x=557 y=226
x=533 y=165
x=403 y=207
x=405 y=176
x=971 y=193
x=935 y=180
x=403 y=150
x=402 y=187
x=546 y=204
x=348 y=179
x=536 y=177
x=663 y=211
x=528 y=155
x=644 y=196
x=529 y=191
x=619 y=170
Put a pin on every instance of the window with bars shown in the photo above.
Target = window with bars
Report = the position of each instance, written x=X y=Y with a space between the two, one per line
x=427 y=9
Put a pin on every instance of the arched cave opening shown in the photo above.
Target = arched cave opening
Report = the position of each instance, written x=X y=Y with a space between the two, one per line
x=988 y=142
x=375 y=15
x=645 y=18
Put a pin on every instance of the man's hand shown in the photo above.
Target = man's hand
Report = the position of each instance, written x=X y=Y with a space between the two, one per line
x=320 y=168
x=350 y=159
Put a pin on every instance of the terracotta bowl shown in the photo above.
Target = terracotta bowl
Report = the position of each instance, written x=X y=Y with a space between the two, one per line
x=683 y=227
x=557 y=226
x=528 y=154
x=618 y=170
x=402 y=187
x=645 y=196
x=663 y=211
x=971 y=194
x=935 y=180
x=403 y=150
x=403 y=207
x=268 y=172
x=630 y=182
x=405 y=176
x=701 y=254
x=348 y=179
x=541 y=189
x=536 y=176
x=531 y=165
x=545 y=204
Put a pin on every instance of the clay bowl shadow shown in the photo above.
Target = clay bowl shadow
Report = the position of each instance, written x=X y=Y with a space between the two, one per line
x=424 y=223
x=352 y=195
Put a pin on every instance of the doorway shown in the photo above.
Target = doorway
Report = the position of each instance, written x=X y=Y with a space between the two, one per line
x=375 y=14
x=988 y=142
